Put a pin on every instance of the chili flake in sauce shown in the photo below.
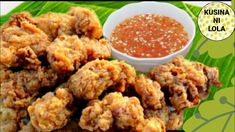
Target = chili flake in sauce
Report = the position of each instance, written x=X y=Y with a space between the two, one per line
x=148 y=36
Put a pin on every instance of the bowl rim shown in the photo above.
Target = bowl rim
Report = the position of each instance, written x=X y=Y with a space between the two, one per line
x=136 y=59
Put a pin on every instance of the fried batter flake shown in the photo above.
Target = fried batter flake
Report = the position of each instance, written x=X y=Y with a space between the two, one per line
x=67 y=53
x=87 y=23
x=186 y=82
x=96 y=76
x=50 y=112
x=19 y=88
x=149 y=91
x=126 y=113
x=22 y=42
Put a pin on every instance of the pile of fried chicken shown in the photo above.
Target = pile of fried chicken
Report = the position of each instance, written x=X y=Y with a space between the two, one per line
x=55 y=75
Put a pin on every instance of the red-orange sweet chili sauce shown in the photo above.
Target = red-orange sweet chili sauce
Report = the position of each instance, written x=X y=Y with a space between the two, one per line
x=148 y=36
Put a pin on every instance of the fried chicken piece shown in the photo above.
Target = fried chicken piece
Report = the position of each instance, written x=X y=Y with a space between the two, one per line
x=22 y=42
x=11 y=119
x=149 y=91
x=186 y=82
x=8 y=119
x=184 y=95
x=124 y=113
x=172 y=119
x=55 y=24
x=80 y=21
x=50 y=112
x=87 y=23
x=72 y=126
x=126 y=76
x=96 y=117
x=152 y=125
x=175 y=120
x=96 y=49
x=4 y=74
x=96 y=76
x=18 y=88
x=7 y=54
x=127 y=111
x=67 y=53
x=161 y=113
x=93 y=78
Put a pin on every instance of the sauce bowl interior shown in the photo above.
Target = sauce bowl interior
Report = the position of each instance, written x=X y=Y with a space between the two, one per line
x=157 y=8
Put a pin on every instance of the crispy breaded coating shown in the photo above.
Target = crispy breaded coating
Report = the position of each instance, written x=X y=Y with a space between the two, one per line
x=55 y=24
x=93 y=78
x=127 y=111
x=18 y=88
x=87 y=23
x=175 y=120
x=96 y=49
x=186 y=82
x=126 y=76
x=66 y=53
x=122 y=112
x=50 y=112
x=4 y=74
x=184 y=96
x=22 y=42
x=72 y=126
x=8 y=55
x=152 y=125
x=96 y=76
x=8 y=119
x=149 y=91
x=96 y=117
x=11 y=119
x=78 y=20
x=172 y=119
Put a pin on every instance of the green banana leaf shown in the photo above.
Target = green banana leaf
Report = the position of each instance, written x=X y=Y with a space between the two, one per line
x=224 y=62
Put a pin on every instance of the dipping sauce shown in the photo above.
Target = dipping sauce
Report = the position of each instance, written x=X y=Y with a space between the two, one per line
x=149 y=36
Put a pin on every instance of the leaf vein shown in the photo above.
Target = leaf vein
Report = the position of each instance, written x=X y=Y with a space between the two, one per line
x=230 y=112
x=226 y=123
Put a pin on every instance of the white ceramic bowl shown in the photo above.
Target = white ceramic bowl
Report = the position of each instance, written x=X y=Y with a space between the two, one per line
x=164 y=9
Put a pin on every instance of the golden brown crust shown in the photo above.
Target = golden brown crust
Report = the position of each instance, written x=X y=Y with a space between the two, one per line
x=49 y=112
x=125 y=113
x=149 y=91
x=67 y=53
x=96 y=76
x=55 y=24
x=151 y=125
x=22 y=42
x=8 y=119
x=87 y=23
x=96 y=49
x=96 y=117
x=175 y=121
x=172 y=119
x=18 y=88
x=93 y=78
x=186 y=82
